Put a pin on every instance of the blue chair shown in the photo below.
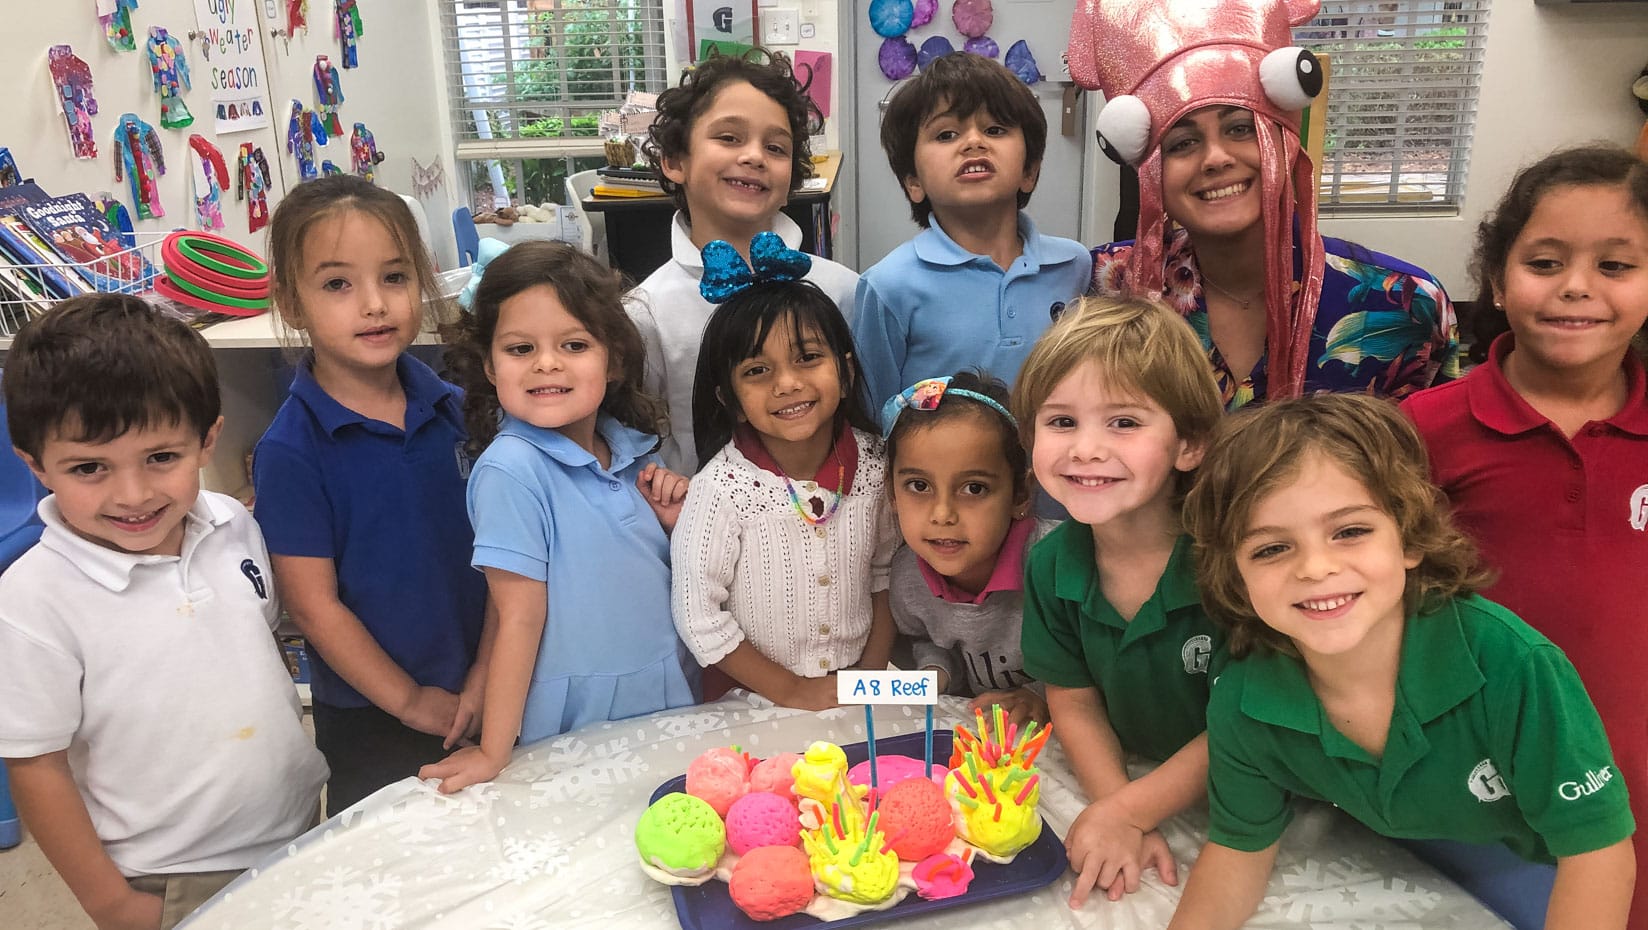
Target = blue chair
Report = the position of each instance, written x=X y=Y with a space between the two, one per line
x=19 y=529
x=469 y=240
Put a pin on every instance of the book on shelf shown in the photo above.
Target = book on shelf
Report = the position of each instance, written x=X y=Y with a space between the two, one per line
x=639 y=178
x=20 y=195
x=29 y=254
x=602 y=190
x=80 y=235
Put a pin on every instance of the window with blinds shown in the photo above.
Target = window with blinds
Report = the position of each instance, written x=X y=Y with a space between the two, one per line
x=529 y=79
x=1401 y=104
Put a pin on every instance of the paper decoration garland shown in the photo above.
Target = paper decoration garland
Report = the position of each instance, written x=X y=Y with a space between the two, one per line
x=139 y=160
x=1022 y=63
x=349 y=30
x=304 y=131
x=891 y=18
x=252 y=185
x=116 y=17
x=924 y=10
x=209 y=183
x=973 y=18
x=171 y=77
x=73 y=80
x=328 y=95
x=426 y=181
x=364 y=156
x=934 y=47
x=897 y=58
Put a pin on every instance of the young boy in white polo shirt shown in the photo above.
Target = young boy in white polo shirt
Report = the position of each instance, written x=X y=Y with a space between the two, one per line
x=152 y=735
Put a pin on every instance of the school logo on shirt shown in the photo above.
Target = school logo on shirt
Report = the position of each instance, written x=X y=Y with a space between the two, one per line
x=465 y=460
x=1196 y=652
x=1594 y=780
x=1486 y=783
x=1639 y=508
x=254 y=574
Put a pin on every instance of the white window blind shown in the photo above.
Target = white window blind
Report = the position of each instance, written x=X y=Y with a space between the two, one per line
x=529 y=77
x=1401 y=100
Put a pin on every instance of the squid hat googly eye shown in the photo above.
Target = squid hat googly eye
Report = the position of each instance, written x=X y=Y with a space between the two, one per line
x=1158 y=60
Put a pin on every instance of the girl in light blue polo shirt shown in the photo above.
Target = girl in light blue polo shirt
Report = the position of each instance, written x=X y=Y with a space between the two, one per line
x=570 y=506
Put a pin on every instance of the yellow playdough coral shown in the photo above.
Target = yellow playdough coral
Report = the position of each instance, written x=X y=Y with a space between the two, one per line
x=994 y=785
x=851 y=860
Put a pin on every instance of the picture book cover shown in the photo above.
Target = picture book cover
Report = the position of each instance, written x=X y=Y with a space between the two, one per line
x=34 y=257
x=80 y=234
x=16 y=196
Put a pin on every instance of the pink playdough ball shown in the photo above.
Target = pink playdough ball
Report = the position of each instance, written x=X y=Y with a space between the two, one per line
x=774 y=774
x=719 y=777
x=771 y=882
x=916 y=817
x=762 y=818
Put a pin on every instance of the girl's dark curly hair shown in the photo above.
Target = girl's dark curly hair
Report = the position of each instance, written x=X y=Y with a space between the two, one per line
x=592 y=293
x=1584 y=166
x=739 y=328
x=680 y=107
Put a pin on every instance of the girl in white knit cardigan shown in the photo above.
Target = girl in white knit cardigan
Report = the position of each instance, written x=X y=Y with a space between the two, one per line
x=782 y=550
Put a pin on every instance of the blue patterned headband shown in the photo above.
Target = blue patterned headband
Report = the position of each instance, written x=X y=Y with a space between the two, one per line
x=725 y=273
x=926 y=395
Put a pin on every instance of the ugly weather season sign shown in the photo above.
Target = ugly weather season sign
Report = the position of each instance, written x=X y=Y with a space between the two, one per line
x=233 y=64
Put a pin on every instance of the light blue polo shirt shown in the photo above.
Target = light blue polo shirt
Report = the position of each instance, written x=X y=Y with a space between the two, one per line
x=545 y=509
x=387 y=507
x=932 y=308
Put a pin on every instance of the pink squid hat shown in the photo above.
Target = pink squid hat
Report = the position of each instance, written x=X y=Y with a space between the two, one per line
x=1157 y=60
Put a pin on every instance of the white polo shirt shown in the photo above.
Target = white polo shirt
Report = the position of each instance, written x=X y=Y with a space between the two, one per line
x=160 y=676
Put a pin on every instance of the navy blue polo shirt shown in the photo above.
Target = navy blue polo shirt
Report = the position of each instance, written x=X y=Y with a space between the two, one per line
x=387 y=507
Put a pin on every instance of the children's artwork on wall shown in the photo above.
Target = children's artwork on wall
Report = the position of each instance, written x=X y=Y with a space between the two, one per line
x=237 y=75
x=816 y=70
x=934 y=47
x=349 y=31
x=891 y=18
x=897 y=58
x=209 y=181
x=982 y=45
x=922 y=13
x=304 y=131
x=720 y=21
x=139 y=160
x=973 y=18
x=427 y=181
x=116 y=17
x=297 y=17
x=1022 y=63
x=9 y=174
x=328 y=94
x=328 y=169
x=252 y=180
x=363 y=153
x=118 y=216
x=171 y=77
x=73 y=80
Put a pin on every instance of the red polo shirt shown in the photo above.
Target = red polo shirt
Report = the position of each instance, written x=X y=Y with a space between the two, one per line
x=1565 y=523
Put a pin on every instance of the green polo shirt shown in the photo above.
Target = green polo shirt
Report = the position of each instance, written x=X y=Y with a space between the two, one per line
x=1492 y=740
x=1153 y=671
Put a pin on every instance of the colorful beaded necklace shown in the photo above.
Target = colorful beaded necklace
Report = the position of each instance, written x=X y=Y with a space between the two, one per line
x=832 y=506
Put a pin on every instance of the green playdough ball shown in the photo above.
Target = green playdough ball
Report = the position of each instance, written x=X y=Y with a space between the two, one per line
x=680 y=833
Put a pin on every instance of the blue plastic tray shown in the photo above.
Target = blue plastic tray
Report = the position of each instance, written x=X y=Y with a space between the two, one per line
x=709 y=907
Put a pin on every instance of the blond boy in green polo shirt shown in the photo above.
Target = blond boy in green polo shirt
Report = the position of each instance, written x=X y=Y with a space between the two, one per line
x=1368 y=675
x=1115 y=403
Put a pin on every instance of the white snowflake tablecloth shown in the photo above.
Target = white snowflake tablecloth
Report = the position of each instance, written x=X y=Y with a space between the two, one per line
x=548 y=845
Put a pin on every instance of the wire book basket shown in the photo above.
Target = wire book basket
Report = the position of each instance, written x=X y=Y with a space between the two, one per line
x=28 y=290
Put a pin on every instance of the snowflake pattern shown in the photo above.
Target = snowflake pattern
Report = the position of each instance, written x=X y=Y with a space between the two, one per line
x=342 y=898
x=526 y=858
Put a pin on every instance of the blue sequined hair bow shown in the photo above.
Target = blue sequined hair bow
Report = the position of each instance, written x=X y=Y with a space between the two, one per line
x=725 y=273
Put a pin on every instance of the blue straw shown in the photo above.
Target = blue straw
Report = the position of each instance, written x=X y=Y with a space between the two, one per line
x=869 y=726
x=928 y=742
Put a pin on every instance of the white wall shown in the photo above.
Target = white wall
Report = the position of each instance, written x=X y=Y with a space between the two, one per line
x=395 y=92
x=1553 y=76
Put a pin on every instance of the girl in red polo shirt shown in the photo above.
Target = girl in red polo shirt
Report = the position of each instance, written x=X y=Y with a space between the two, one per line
x=1543 y=449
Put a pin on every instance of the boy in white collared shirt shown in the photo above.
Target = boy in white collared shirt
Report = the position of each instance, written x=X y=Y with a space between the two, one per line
x=151 y=733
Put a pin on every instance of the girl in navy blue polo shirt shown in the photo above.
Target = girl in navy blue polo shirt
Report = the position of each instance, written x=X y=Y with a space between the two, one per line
x=360 y=491
x=571 y=507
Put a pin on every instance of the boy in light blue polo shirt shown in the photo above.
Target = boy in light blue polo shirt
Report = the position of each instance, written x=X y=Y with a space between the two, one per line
x=978 y=285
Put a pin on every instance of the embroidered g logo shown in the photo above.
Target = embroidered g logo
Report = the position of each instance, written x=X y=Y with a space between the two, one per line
x=254 y=574
x=1486 y=782
x=1195 y=654
x=1639 y=508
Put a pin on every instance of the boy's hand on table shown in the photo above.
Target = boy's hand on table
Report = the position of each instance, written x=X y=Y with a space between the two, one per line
x=468 y=766
x=1109 y=853
x=664 y=491
x=430 y=710
x=1021 y=705
x=134 y=910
